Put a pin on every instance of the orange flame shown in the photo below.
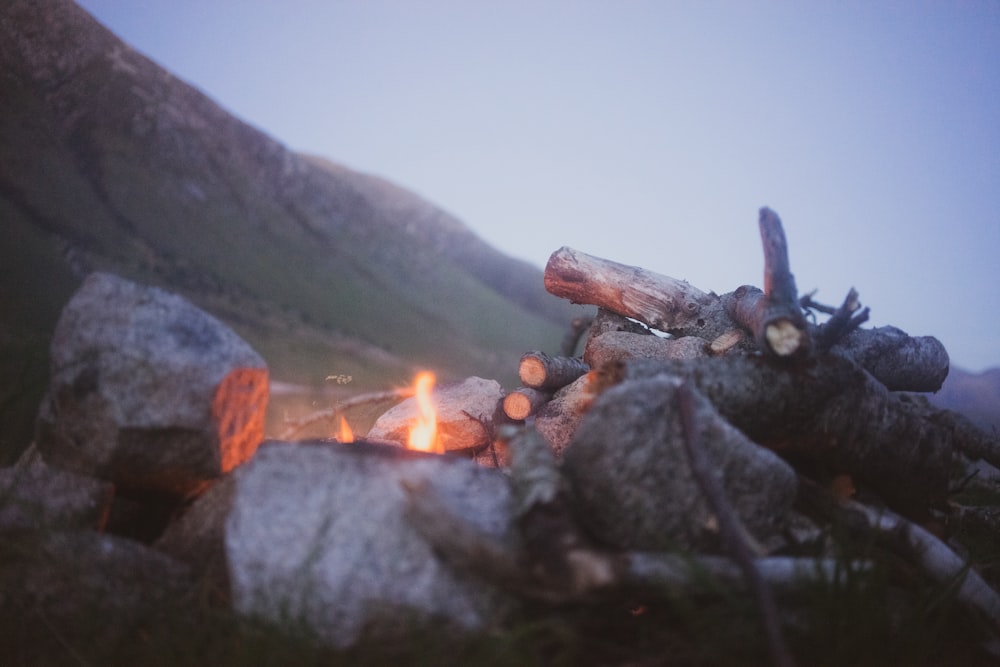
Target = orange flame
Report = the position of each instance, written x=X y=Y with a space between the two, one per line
x=345 y=434
x=423 y=433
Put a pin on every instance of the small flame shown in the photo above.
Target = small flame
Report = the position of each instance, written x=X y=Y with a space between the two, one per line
x=344 y=433
x=423 y=433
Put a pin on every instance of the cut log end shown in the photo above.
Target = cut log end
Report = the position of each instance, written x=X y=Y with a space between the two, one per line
x=524 y=402
x=784 y=339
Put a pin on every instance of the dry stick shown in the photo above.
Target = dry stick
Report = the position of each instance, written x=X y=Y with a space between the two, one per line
x=731 y=528
x=540 y=371
x=912 y=542
x=842 y=322
x=329 y=413
x=571 y=341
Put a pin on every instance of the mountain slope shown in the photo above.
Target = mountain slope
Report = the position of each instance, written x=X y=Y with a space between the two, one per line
x=976 y=395
x=109 y=162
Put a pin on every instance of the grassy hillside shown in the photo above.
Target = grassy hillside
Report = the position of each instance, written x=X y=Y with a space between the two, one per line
x=109 y=163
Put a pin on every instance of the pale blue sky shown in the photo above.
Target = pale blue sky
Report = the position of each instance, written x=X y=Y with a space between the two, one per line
x=649 y=132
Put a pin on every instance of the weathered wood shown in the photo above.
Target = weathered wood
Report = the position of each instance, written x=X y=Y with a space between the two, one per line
x=524 y=402
x=466 y=412
x=541 y=371
x=842 y=320
x=897 y=360
x=774 y=316
x=558 y=419
x=664 y=303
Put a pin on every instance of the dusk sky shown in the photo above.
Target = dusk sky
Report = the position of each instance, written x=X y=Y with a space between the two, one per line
x=649 y=133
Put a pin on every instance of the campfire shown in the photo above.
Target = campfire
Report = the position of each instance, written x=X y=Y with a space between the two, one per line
x=677 y=436
x=703 y=392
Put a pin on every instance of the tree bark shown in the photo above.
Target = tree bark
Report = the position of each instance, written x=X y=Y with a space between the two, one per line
x=829 y=414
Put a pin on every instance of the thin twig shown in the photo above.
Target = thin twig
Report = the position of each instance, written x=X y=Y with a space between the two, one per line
x=731 y=528
x=296 y=425
x=842 y=322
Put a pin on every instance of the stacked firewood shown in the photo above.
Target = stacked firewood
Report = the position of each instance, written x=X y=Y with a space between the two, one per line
x=664 y=361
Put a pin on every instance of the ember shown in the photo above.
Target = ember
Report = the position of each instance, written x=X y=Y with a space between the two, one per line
x=423 y=433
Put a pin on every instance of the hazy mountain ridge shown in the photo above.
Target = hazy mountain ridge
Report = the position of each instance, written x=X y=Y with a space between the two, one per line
x=109 y=162
x=976 y=395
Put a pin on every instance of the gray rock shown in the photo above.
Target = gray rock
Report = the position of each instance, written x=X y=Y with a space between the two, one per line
x=148 y=391
x=633 y=484
x=38 y=496
x=318 y=534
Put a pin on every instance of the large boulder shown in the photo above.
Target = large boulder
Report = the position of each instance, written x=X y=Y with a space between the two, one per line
x=632 y=479
x=148 y=391
x=319 y=536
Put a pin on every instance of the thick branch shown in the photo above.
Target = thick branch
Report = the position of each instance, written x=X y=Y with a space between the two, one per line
x=659 y=301
x=524 y=402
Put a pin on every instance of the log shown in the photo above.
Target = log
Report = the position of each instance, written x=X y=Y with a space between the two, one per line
x=591 y=572
x=621 y=346
x=540 y=371
x=664 y=303
x=910 y=541
x=571 y=340
x=897 y=360
x=830 y=414
x=524 y=402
